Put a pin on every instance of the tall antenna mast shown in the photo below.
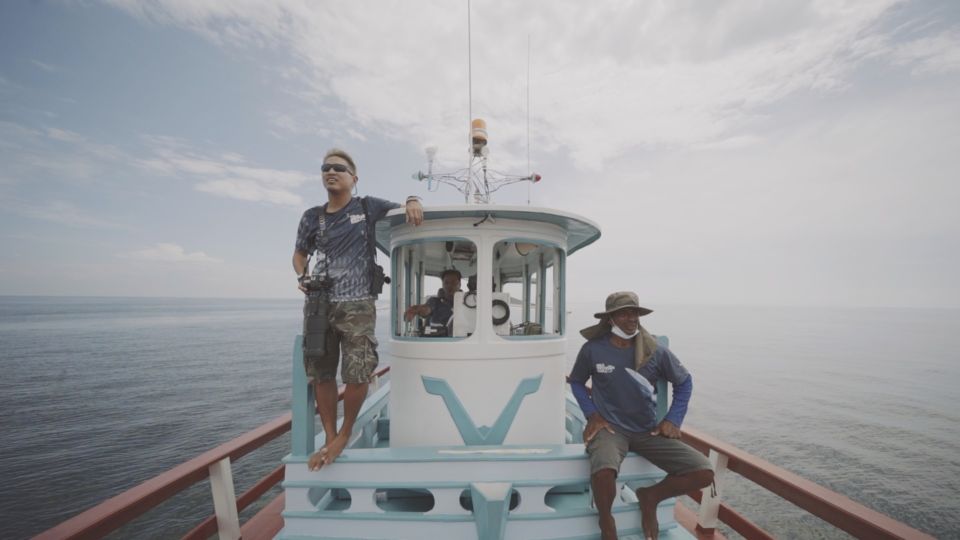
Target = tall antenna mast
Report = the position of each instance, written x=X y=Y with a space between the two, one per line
x=477 y=181
x=528 y=116
x=469 y=92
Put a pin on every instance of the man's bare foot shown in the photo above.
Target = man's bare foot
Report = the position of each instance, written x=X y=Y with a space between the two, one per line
x=333 y=449
x=608 y=528
x=317 y=459
x=648 y=513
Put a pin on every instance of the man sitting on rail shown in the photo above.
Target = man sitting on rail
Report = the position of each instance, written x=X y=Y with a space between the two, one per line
x=625 y=361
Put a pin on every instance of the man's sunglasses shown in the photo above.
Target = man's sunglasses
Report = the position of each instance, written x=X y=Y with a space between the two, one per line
x=339 y=167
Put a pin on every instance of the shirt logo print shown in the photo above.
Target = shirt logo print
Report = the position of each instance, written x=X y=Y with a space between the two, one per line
x=604 y=368
x=356 y=218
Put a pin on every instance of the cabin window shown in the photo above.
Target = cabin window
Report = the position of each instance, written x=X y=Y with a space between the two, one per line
x=528 y=285
x=423 y=307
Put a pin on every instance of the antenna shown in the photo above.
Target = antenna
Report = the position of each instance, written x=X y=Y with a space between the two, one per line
x=469 y=93
x=528 y=116
x=477 y=179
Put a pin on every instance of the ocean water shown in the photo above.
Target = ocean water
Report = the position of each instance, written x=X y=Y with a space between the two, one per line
x=100 y=394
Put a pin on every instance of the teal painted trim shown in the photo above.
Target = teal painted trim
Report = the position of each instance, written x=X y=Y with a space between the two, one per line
x=436 y=454
x=662 y=401
x=432 y=454
x=491 y=502
x=482 y=435
x=302 y=428
x=588 y=511
x=526 y=293
x=371 y=516
x=652 y=477
x=396 y=300
x=371 y=407
x=429 y=339
x=580 y=231
x=414 y=516
x=563 y=293
x=542 y=337
x=419 y=283
x=541 y=289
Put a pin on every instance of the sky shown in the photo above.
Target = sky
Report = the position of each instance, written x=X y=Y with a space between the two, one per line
x=789 y=152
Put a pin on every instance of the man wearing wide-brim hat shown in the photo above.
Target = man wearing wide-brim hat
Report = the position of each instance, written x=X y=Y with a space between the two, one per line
x=625 y=361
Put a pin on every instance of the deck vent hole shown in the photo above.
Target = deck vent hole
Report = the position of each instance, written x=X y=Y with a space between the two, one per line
x=466 y=500
x=568 y=496
x=329 y=499
x=404 y=500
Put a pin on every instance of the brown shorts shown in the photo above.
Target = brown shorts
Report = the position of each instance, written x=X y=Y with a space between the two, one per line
x=351 y=329
x=607 y=451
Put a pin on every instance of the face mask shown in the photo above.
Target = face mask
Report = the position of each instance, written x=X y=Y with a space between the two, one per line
x=621 y=334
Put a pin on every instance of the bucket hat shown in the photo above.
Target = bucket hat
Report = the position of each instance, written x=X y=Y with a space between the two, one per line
x=622 y=300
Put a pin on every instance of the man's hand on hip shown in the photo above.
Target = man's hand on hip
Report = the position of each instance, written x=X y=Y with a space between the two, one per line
x=666 y=429
x=594 y=425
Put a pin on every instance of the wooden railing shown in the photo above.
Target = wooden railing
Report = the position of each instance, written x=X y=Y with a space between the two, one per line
x=215 y=464
x=835 y=509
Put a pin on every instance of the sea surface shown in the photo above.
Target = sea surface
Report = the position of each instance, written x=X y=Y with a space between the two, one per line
x=100 y=394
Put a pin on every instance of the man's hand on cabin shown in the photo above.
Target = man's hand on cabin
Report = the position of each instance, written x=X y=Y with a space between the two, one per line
x=414 y=212
x=666 y=429
x=594 y=425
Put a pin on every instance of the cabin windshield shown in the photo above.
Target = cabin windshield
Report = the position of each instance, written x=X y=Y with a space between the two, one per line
x=430 y=288
x=436 y=294
x=528 y=276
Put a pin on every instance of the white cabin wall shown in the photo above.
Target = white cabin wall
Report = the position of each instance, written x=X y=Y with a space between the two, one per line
x=484 y=369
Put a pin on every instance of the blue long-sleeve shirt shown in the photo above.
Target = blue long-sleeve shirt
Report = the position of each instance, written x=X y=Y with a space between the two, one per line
x=622 y=395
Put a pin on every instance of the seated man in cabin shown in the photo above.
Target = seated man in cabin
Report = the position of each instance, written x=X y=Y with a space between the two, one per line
x=625 y=362
x=438 y=310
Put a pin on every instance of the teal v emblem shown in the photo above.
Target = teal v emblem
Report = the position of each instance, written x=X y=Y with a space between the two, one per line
x=473 y=435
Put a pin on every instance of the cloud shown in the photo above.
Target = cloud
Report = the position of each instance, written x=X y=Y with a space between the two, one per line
x=49 y=68
x=61 y=212
x=247 y=190
x=606 y=79
x=226 y=175
x=168 y=253
x=65 y=135
x=67 y=154
x=933 y=54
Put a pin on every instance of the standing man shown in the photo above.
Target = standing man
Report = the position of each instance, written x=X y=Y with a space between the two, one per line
x=625 y=362
x=339 y=313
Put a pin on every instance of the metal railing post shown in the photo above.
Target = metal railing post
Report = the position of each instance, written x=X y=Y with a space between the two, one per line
x=224 y=500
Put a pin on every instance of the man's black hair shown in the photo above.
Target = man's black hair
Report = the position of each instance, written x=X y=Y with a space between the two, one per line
x=451 y=270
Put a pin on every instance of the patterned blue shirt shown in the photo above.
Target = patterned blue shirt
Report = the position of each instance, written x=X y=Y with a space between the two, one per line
x=340 y=250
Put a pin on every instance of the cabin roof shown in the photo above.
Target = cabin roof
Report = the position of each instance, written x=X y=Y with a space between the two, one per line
x=581 y=232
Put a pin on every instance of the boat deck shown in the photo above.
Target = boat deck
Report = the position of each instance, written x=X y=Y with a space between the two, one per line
x=268 y=523
x=513 y=492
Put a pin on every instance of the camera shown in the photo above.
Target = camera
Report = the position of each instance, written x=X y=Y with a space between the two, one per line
x=315 y=283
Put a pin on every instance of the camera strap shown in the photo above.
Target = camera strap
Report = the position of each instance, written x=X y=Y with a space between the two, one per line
x=371 y=240
x=321 y=254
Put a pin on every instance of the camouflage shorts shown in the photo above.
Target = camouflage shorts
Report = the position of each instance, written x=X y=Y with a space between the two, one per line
x=351 y=329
